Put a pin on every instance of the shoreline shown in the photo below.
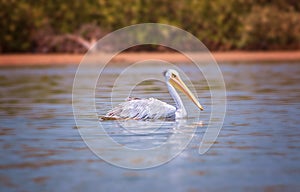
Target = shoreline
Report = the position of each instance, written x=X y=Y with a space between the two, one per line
x=220 y=57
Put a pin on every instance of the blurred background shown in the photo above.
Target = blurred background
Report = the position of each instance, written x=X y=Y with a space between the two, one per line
x=257 y=46
x=45 y=26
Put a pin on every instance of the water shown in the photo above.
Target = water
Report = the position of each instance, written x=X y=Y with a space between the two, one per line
x=257 y=149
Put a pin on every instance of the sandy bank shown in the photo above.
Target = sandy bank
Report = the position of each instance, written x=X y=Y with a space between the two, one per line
x=236 y=56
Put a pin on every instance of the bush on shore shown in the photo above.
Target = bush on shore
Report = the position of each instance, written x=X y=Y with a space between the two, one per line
x=70 y=26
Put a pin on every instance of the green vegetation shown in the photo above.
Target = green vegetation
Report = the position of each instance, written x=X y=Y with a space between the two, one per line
x=51 y=25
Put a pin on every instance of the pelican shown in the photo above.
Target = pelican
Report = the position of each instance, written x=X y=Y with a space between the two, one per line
x=151 y=108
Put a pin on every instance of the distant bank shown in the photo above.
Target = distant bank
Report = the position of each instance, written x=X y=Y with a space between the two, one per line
x=234 y=56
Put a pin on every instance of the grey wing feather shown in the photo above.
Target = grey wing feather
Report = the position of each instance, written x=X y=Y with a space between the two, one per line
x=132 y=98
x=142 y=109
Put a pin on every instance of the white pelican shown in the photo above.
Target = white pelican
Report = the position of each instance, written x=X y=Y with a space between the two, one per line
x=142 y=109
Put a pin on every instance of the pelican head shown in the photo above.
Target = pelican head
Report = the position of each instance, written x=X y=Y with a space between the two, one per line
x=174 y=79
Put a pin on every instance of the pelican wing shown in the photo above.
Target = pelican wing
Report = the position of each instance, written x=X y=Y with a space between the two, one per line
x=141 y=109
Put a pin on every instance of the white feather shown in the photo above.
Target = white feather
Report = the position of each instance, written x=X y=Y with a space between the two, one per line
x=142 y=109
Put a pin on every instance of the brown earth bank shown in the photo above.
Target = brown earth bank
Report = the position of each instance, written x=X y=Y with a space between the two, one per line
x=220 y=57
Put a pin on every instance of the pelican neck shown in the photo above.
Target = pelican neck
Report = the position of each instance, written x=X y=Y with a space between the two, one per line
x=175 y=96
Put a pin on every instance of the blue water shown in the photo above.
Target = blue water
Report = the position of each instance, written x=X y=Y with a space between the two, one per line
x=258 y=147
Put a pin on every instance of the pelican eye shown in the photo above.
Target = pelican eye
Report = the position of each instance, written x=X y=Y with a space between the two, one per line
x=173 y=75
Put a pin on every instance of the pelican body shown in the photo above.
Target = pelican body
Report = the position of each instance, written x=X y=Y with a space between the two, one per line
x=151 y=108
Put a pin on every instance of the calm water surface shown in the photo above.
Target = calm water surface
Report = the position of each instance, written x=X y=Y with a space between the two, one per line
x=258 y=147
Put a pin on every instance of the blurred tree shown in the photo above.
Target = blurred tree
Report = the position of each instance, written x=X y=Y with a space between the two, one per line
x=54 y=25
x=17 y=23
x=271 y=28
